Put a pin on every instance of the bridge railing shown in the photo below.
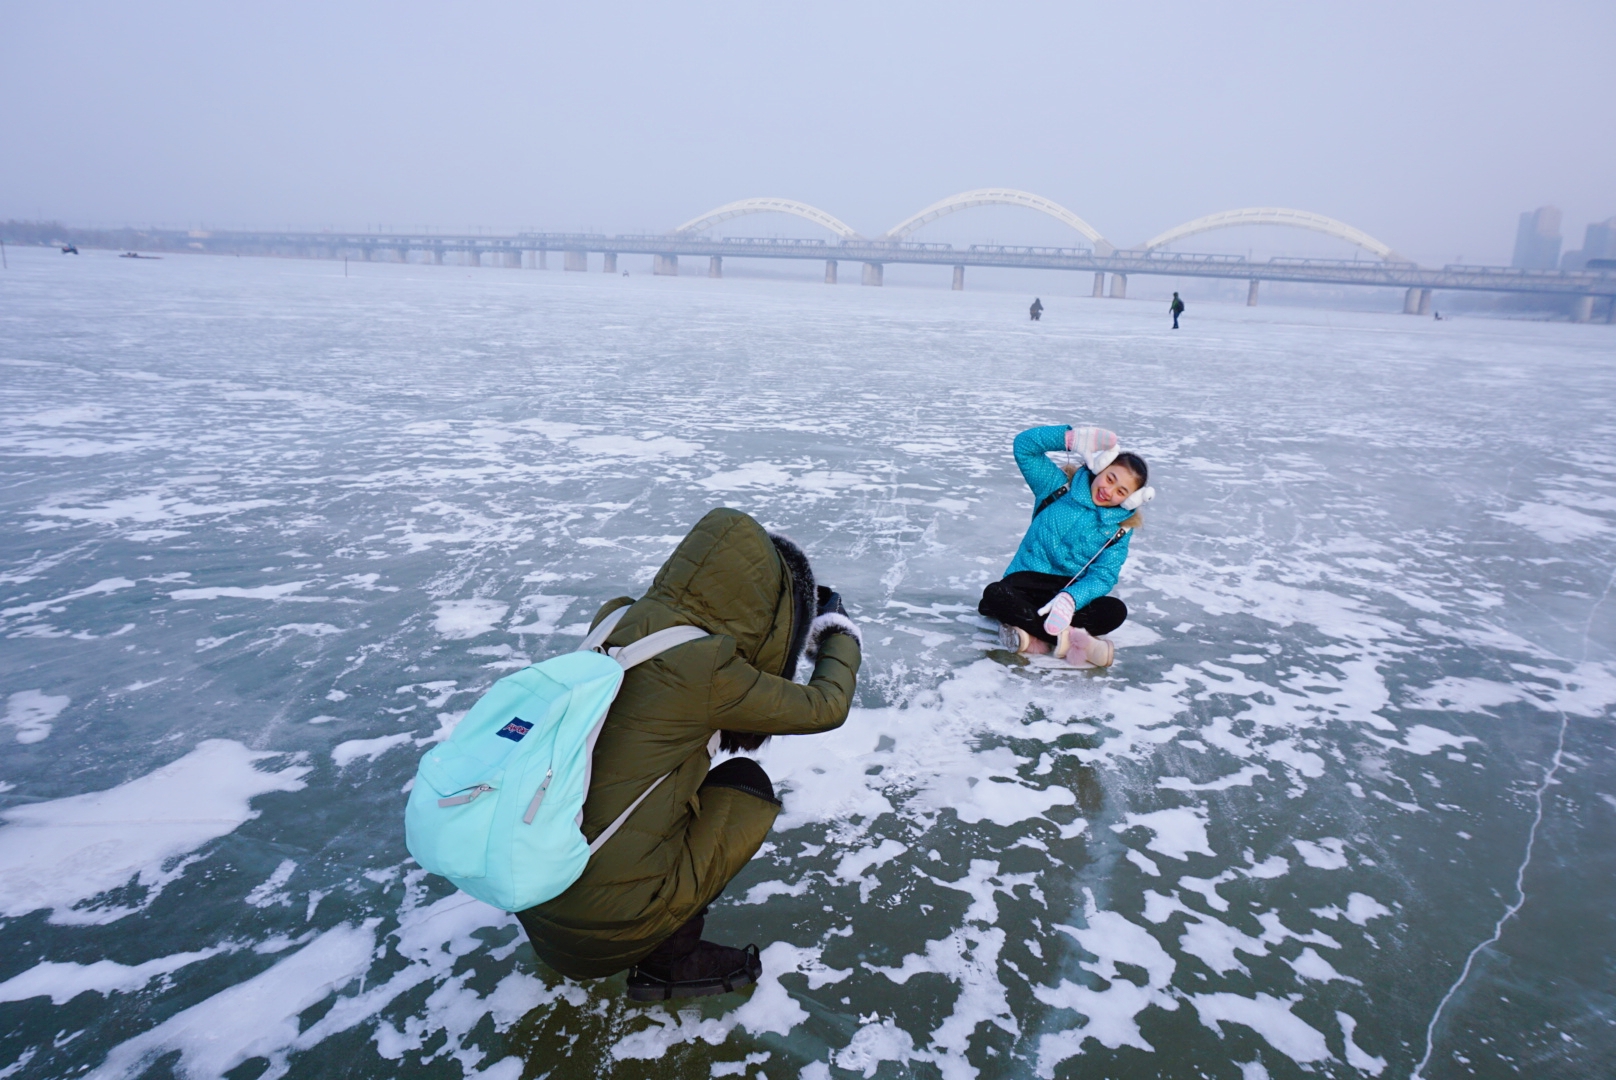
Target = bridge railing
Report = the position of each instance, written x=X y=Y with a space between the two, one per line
x=1009 y=249
x=1510 y=271
x=1197 y=258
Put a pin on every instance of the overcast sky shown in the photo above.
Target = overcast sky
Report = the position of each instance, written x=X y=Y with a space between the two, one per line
x=1428 y=125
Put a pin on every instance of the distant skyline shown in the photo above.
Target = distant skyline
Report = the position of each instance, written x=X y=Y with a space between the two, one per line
x=1431 y=127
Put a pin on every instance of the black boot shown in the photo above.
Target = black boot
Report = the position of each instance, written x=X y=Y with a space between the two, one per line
x=706 y=969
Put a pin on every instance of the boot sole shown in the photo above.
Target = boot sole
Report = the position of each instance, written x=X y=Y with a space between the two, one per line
x=690 y=989
x=643 y=987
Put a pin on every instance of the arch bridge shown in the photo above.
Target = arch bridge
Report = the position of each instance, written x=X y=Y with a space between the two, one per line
x=1275 y=215
x=729 y=211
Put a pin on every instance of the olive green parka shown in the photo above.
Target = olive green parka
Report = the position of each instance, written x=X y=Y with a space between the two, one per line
x=678 y=849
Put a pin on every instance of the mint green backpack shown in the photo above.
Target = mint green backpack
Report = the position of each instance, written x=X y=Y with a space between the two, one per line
x=497 y=808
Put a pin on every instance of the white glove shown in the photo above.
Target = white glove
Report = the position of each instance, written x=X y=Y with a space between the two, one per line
x=1088 y=440
x=1098 y=460
x=1060 y=611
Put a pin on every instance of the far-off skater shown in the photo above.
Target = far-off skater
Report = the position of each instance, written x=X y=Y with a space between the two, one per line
x=1177 y=308
x=1037 y=309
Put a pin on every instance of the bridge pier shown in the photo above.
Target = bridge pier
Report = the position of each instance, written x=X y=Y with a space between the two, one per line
x=1099 y=283
x=873 y=273
x=1251 y=293
x=539 y=259
x=667 y=265
x=1610 y=312
x=959 y=278
x=830 y=271
x=715 y=266
x=435 y=255
x=1417 y=301
x=1119 y=286
x=473 y=257
x=511 y=260
x=609 y=262
x=1583 y=309
x=575 y=260
x=403 y=254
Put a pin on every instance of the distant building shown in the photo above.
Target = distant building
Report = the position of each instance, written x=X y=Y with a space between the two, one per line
x=1537 y=241
x=1599 y=242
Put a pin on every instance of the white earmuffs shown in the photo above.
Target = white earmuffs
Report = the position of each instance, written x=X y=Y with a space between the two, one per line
x=1139 y=498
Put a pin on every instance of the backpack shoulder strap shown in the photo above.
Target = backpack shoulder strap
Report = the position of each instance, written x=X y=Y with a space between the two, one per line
x=629 y=655
x=603 y=630
x=650 y=645
x=1052 y=498
x=637 y=652
x=611 y=830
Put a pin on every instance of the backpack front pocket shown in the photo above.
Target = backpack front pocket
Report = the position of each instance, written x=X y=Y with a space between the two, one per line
x=452 y=813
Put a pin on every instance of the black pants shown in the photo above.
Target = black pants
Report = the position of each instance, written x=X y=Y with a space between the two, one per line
x=1175 y=320
x=740 y=773
x=1016 y=599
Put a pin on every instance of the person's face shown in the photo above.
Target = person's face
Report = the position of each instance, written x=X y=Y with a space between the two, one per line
x=1114 y=484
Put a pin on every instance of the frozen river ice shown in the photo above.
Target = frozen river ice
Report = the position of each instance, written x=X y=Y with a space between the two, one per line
x=1346 y=803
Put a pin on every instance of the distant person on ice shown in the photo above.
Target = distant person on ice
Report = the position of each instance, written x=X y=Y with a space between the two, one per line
x=1037 y=309
x=1177 y=308
x=641 y=900
x=1054 y=594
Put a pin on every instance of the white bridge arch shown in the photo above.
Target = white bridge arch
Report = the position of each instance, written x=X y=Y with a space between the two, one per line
x=1276 y=215
x=768 y=206
x=999 y=197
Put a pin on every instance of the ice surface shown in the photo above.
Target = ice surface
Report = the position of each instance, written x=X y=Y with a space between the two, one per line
x=269 y=532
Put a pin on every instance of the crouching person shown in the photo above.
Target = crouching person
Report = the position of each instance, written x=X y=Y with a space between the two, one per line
x=640 y=902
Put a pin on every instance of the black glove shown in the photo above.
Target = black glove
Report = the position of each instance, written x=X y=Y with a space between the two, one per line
x=830 y=601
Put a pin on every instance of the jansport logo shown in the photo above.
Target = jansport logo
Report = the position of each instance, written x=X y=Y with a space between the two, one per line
x=515 y=729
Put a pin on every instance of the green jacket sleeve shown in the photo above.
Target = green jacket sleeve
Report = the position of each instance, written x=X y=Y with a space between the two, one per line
x=746 y=699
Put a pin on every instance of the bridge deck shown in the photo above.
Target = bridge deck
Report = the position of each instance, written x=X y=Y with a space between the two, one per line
x=1175 y=264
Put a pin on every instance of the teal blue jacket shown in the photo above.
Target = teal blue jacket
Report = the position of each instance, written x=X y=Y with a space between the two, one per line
x=1068 y=533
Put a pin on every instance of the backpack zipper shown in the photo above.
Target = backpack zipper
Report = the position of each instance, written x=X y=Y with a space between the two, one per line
x=470 y=795
x=533 y=807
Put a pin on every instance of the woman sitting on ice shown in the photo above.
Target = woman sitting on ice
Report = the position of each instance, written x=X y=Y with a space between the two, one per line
x=1053 y=597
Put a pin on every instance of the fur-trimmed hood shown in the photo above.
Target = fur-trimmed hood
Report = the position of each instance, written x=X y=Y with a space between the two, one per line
x=804 y=597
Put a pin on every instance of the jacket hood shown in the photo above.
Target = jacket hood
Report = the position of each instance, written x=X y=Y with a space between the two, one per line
x=729 y=576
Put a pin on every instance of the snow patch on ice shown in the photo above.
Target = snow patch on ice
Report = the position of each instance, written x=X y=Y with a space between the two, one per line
x=1327 y=853
x=1110 y=1015
x=346 y=753
x=459 y=620
x=64 y=982
x=1268 y=1016
x=1177 y=832
x=31 y=713
x=1360 y=909
x=627 y=446
x=63 y=853
x=1357 y=1057
x=260 y=592
x=1554 y=523
x=256 y=1018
